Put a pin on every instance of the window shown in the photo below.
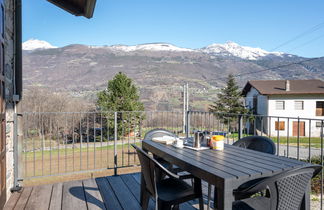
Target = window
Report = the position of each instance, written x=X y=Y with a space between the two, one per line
x=318 y=124
x=280 y=125
x=319 y=108
x=280 y=105
x=299 y=105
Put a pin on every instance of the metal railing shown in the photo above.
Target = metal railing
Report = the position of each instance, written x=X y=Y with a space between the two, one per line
x=63 y=143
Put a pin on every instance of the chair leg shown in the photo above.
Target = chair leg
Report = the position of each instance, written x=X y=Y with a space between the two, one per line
x=175 y=207
x=215 y=197
x=145 y=200
x=198 y=191
x=209 y=194
x=163 y=206
x=201 y=203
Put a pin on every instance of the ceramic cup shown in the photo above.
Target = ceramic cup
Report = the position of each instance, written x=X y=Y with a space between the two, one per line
x=178 y=143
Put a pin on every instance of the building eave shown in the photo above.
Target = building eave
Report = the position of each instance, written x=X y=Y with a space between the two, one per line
x=85 y=9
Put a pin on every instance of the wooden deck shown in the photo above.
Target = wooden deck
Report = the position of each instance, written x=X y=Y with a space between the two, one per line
x=112 y=192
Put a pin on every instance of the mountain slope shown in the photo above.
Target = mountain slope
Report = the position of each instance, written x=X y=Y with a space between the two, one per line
x=158 y=70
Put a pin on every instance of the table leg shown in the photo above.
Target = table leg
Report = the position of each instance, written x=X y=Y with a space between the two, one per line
x=223 y=199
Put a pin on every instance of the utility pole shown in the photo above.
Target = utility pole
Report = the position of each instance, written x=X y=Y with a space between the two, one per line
x=187 y=97
x=185 y=105
x=184 y=108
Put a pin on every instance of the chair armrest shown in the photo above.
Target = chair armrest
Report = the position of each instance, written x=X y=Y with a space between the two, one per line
x=251 y=187
x=166 y=171
x=186 y=176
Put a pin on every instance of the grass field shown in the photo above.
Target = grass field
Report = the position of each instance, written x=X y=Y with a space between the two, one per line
x=69 y=160
x=292 y=140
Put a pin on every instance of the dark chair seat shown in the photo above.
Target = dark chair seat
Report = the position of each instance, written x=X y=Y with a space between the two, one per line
x=252 y=204
x=174 y=190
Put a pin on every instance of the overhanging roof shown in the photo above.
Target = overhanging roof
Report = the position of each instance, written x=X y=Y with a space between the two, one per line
x=77 y=7
x=277 y=87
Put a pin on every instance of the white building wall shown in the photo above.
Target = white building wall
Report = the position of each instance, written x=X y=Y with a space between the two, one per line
x=309 y=111
x=262 y=108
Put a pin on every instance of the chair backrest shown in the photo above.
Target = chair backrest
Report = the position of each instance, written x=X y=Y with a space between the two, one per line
x=287 y=189
x=158 y=132
x=149 y=167
x=258 y=143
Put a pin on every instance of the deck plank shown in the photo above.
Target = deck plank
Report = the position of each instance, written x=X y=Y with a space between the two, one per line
x=73 y=196
x=124 y=195
x=23 y=198
x=116 y=192
x=56 y=198
x=92 y=194
x=132 y=185
x=13 y=200
x=40 y=193
x=108 y=196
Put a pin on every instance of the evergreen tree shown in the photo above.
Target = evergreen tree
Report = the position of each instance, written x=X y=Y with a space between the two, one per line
x=230 y=99
x=121 y=96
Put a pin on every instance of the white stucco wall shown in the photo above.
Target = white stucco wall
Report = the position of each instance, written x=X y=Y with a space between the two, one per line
x=266 y=105
x=262 y=107
x=309 y=111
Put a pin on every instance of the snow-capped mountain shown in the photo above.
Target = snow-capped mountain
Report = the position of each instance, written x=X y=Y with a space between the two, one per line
x=227 y=49
x=35 y=44
x=234 y=49
x=147 y=47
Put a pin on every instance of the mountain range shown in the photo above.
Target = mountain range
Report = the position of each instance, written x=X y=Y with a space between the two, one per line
x=159 y=69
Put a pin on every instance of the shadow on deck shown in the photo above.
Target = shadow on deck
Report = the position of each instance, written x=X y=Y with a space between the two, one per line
x=112 y=192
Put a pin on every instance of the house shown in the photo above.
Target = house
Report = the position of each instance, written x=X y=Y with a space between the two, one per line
x=296 y=99
x=11 y=84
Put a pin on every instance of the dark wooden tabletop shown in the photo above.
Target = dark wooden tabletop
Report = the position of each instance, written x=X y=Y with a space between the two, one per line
x=225 y=169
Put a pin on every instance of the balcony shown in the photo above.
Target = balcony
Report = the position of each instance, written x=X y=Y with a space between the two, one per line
x=57 y=148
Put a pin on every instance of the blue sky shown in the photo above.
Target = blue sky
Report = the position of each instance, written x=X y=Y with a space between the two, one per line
x=185 y=23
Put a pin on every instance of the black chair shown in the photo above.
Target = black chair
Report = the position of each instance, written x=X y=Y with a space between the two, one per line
x=169 y=192
x=286 y=190
x=257 y=143
x=160 y=132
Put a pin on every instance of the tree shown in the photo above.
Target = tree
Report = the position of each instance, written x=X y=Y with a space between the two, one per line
x=230 y=99
x=121 y=96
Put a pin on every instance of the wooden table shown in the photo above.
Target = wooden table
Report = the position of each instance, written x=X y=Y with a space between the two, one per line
x=226 y=169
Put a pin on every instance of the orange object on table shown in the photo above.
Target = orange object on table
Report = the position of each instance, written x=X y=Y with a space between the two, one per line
x=217 y=142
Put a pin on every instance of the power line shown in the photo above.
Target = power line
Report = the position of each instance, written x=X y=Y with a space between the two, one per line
x=271 y=68
x=277 y=67
x=306 y=43
x=308 y=31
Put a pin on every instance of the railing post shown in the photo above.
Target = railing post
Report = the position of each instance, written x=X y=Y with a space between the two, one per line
x=16 y=138
x=115 y=144
x=187 y=124
x=240 y=127
x=15 y=142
